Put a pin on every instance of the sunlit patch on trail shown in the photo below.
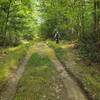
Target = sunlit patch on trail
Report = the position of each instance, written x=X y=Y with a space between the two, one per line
x=67 y=46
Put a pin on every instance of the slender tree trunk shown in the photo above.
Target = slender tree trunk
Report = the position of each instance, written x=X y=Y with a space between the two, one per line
x=98 y=20
x=95 y=17
x=6 y=22
x=82 y=20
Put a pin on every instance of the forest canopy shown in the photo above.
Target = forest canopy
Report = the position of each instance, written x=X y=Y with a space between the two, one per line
x=77 y=20
x=16 y=19
x=74 y=20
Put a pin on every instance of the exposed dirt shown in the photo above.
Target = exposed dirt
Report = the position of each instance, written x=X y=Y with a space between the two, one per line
x=10 y=88
x=73 y=91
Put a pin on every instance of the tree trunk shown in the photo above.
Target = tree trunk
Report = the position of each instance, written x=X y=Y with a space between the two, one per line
x=6 y=22
x=95 y=17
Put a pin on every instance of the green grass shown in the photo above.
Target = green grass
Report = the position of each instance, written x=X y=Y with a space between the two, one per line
x=89 y=75
x=40 y=81
x=9 y=61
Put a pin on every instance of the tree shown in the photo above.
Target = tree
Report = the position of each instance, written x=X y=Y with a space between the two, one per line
x=74 y=18
x=15 y=17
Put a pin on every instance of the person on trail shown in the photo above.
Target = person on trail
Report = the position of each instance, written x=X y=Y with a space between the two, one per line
x=57 y=37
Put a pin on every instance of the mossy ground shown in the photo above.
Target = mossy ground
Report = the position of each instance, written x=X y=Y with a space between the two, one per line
x=10 y=58
x=40 y=81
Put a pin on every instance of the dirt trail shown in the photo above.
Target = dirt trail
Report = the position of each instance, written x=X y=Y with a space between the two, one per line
x=11 y=86
x=74 y=92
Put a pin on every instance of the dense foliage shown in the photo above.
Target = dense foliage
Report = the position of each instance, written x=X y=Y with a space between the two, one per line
x=16 y=18
x=73 y=19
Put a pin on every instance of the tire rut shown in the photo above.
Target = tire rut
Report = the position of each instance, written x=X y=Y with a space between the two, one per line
x=73 y=90
x=11 y=86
